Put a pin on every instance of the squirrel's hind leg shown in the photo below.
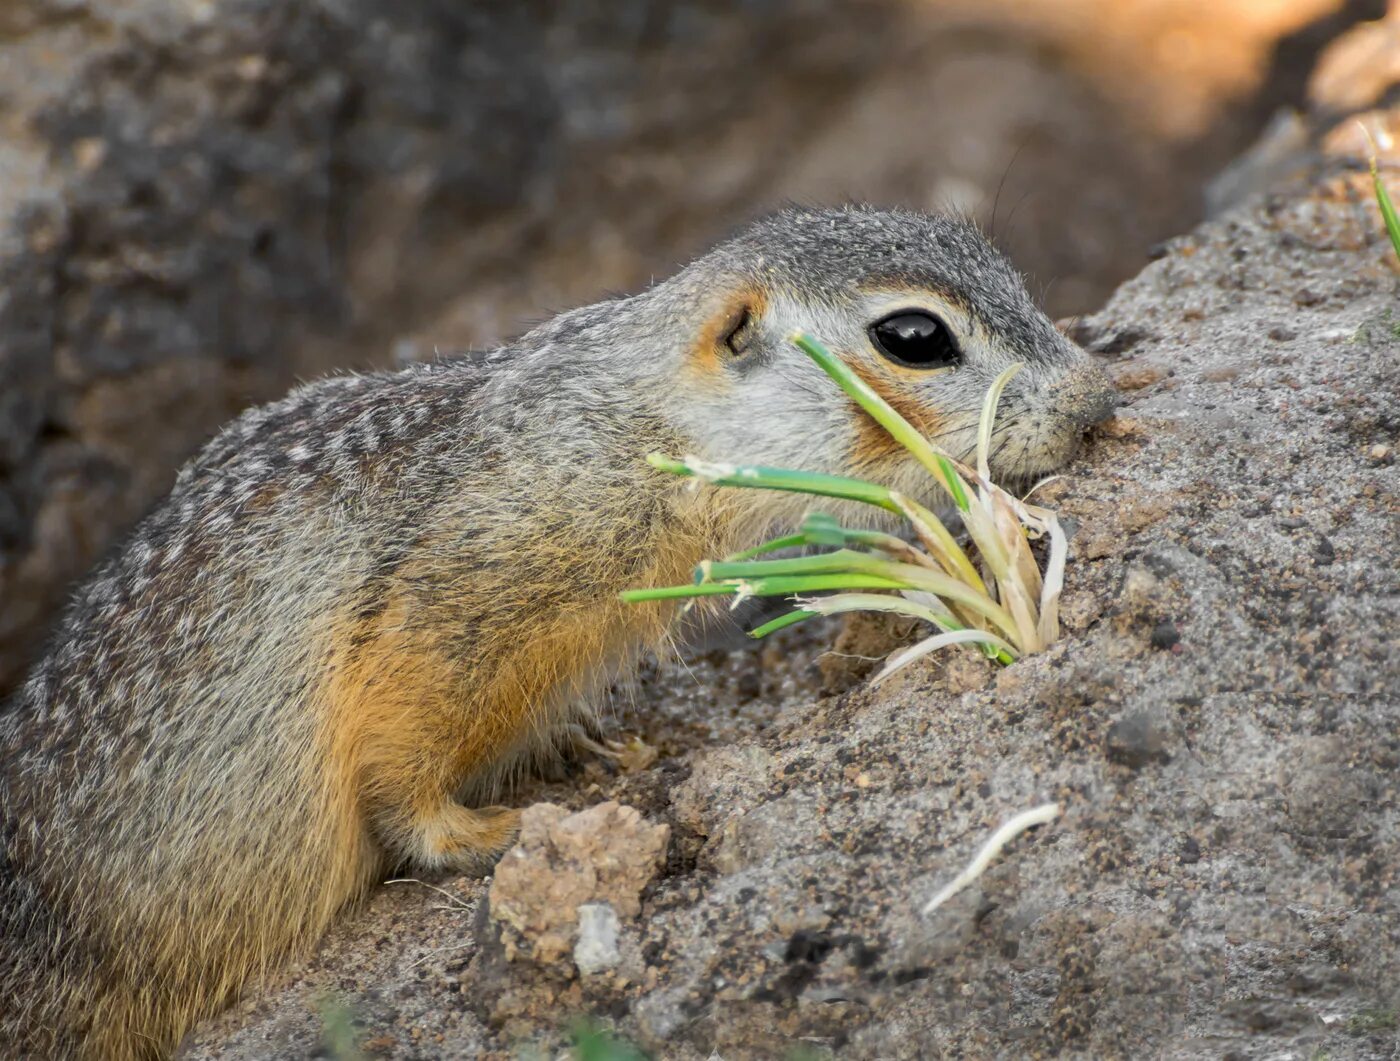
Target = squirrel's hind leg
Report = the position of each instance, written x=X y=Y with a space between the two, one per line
x=410 y=766
x=453 y=838
x=403 y=741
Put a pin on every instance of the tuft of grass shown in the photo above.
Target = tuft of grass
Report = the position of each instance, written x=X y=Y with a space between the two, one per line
x=1373 y=1021
x=995 y=596
x=591 y=1042
x=1383 y=200
x=340 y=1040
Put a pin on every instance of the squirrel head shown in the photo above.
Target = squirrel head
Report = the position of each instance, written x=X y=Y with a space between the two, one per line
x=922 y=308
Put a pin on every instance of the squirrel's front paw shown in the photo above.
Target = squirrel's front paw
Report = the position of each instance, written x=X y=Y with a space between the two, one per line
x=502 y=826
x=580 y=738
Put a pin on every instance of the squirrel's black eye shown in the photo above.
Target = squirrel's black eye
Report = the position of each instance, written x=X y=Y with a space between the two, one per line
x=916 y=338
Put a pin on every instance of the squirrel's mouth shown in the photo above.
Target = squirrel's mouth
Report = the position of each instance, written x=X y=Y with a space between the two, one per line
x=1045 y=450
x=1052 y=430
x=1033 y=446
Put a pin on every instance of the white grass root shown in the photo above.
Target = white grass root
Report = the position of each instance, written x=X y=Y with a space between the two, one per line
x=1010 y=830
x=897 y=661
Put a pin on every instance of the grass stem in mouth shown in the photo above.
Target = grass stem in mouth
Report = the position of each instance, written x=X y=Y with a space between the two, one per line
x=900 y=429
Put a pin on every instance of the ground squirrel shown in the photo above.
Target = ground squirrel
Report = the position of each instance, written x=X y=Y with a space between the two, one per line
x=360 y=603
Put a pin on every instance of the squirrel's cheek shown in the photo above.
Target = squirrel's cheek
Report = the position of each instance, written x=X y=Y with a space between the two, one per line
x=873 y=444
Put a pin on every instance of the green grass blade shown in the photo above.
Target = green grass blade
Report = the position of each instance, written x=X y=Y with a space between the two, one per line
x=791 y=541
x=1388 y=214
x=709 y=589
x=1383 y=200
x=763 y=478
x=765 y=586
x=820 y=529
x=842 y=560
x=900 y=429
x=788 y=585
x=782 y=621
x=663 y=463
x=593 y=1043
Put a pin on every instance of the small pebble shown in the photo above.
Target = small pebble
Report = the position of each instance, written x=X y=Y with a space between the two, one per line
x=1165 y=636
x=1135 y=740
x=1325 y=552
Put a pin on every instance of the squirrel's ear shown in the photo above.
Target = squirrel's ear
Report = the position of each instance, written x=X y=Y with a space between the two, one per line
x=738 y=331
x=729 y=333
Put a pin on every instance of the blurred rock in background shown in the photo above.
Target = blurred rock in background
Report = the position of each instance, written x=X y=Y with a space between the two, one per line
x=203 y=201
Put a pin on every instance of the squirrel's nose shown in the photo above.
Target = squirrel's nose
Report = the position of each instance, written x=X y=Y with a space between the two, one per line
x=1104 y=405
x=1087 y=396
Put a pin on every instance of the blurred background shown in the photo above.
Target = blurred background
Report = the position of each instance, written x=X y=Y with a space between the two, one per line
x=202 y=201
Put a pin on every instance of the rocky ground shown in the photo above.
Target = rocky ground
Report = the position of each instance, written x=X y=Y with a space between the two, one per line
x=1220 y=727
